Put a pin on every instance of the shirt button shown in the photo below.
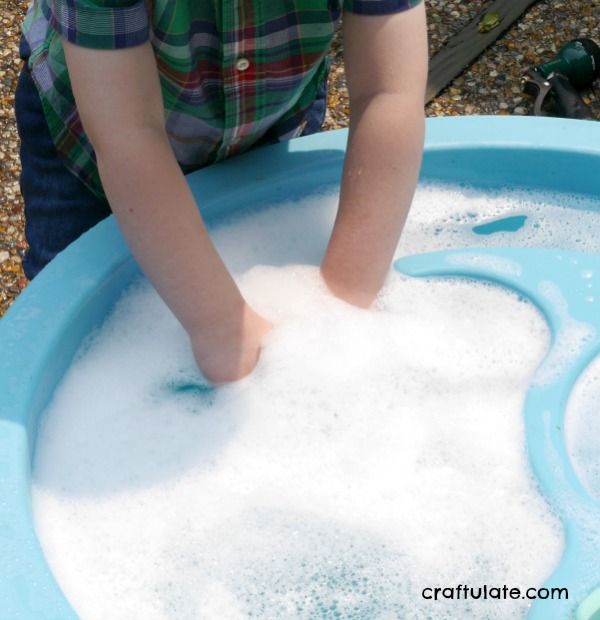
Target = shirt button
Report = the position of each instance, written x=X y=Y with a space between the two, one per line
x=242 y=64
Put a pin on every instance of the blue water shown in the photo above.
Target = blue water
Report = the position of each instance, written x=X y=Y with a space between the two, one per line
x=505 y=224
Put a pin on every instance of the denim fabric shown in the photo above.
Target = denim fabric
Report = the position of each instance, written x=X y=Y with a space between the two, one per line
x=58 y=206
x=315 y=115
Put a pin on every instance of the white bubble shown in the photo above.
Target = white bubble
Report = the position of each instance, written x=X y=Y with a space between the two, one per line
x=582 y=428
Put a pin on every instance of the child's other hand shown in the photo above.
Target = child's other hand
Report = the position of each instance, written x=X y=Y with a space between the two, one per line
x=230 y=350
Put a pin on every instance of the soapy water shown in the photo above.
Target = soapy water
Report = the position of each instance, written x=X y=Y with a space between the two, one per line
x=582 y=424
x=570 y=341
x=370 y=455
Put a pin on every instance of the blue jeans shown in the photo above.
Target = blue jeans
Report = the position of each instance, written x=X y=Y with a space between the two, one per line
x=58 y=206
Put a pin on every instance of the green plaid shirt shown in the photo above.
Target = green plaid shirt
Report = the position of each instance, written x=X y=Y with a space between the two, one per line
x=233 y=72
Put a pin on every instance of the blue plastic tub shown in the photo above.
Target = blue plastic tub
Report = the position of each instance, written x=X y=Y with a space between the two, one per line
x=42 y=331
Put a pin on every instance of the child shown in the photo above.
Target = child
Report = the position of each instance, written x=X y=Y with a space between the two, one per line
x=132 y=93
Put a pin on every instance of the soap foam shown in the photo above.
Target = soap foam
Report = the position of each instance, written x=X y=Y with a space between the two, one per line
x=443 y=218
x=570 y=341
x=370 y=455
x=582 y=428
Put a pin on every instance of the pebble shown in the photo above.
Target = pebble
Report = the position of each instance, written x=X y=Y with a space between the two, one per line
x=12 y=279
x=543 y=29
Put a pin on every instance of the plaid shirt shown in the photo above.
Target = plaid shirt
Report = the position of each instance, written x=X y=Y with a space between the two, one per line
x=233 y=72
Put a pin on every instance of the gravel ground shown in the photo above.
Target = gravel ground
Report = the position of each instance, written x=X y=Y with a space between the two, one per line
x=12 y=243
x=491 y=85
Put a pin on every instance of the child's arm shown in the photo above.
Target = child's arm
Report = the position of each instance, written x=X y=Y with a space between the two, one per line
x=120 y=103
x=386 y=68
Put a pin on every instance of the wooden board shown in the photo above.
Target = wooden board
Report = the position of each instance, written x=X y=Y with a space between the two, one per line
x=463 y=48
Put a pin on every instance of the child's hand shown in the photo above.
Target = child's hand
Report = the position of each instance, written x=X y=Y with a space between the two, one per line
x=230 y=350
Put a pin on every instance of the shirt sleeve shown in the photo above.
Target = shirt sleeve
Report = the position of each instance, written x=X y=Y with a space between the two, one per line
x=379 y=7
x=100 y=24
